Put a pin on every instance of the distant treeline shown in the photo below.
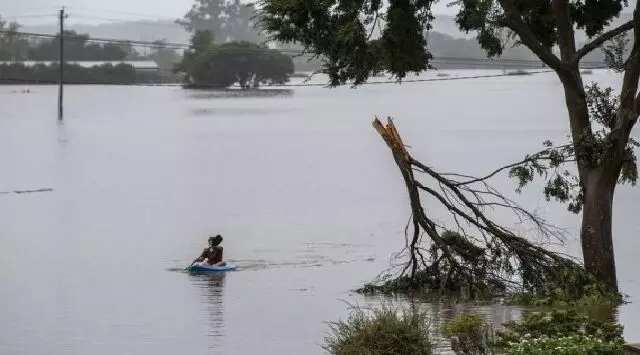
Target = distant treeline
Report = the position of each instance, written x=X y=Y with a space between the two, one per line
x=15 y=74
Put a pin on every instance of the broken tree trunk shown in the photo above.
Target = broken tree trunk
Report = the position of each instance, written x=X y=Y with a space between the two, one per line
x=492 y=258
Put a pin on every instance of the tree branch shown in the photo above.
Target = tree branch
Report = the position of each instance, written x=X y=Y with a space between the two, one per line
x=599 y=41
x=566 y=38
x=629 y=100
x=494 y=260
x=527 y=37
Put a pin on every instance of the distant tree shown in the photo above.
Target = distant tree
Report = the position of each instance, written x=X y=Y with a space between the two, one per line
x=130 y=52
x=201 y=42
x=17 y=73
x=166 y=58
x=301 y=62
x=78 y=47
x=229 y=20
x=12 y=45
x=251 y=64
x=244 y=63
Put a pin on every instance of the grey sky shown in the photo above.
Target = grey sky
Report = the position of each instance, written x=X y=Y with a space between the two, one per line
x=112 y=9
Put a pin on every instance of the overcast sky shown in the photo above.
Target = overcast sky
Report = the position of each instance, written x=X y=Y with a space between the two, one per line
x=112 y=9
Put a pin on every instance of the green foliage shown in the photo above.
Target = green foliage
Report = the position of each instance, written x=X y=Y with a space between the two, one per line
x=12 y=45
x=614 y=52
x=590 y=149
x=488 y=19
x=77 y=47
x=571 y=345
x=603 y=106
x=384 y=330
x=340 y=31
x=476 y=271
x=166 y=58
x=556 y=332
x=248 y=64
x=469 y=335
x=558 y=324
x=569 y=285
x=228 y=20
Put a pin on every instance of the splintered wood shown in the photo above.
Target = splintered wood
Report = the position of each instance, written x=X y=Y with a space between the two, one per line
x=391 y=136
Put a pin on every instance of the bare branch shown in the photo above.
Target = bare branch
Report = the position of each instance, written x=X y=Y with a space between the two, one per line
x=527 y=36
x=600 y=40
x=541 y=155
x=629 y=101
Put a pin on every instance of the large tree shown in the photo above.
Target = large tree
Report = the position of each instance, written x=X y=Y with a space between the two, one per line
x=12 y=45
x=340 y=31
x=207 y=64
x=166 y=58
x=78 y=47
x=229 y=20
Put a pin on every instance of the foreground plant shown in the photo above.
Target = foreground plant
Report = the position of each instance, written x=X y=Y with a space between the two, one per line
x=383 y=330
x=559 y=324
x=571 y=345
x=556 y=332
x=469 y=335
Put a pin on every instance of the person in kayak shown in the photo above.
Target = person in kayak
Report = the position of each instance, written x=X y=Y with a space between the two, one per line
x=212 y=255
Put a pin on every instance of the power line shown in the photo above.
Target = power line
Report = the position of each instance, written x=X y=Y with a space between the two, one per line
x=26 y=16
x=137 y=22
x=150 y=16
x=184 y=46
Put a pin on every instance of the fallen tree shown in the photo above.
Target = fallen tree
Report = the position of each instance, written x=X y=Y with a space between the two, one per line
x=478 y=256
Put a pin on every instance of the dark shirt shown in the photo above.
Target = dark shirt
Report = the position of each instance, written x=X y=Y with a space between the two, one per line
x=213 y=255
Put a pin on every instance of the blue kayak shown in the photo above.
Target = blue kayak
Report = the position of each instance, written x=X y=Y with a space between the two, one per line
x=206 y=268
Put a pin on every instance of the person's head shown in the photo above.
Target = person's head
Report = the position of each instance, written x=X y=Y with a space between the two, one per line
x=215 y=241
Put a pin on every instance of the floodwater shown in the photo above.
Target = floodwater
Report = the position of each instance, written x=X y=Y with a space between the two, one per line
x=303 y=189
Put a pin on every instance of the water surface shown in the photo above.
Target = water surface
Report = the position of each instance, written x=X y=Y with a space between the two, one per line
x=306 y=194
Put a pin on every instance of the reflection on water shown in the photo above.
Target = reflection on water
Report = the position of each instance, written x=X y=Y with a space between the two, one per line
x=234 y=93
x=439 y=312
x=211 y=286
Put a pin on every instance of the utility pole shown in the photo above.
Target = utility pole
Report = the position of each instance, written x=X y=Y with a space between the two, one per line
x=61 y=79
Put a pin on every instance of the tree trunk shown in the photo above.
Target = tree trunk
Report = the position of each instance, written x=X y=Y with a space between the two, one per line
x=596 y=232
x=599 y=186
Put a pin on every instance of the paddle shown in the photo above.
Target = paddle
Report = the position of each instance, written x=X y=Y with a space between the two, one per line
x=191 y=264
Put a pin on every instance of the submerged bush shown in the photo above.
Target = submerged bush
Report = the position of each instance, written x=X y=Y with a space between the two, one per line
x=383 y=330
x=571 y=345
x=568 y=286
x=469 y=335
x=570 y=326
x=557 y=332
x=474 y=274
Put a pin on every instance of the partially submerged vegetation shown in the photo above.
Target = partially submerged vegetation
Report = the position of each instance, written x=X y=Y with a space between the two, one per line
x=215 y=66
x=384 y=330
x=469 y=335
x=387 y=330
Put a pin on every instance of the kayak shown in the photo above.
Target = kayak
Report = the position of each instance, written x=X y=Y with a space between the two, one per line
x=210 y=268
